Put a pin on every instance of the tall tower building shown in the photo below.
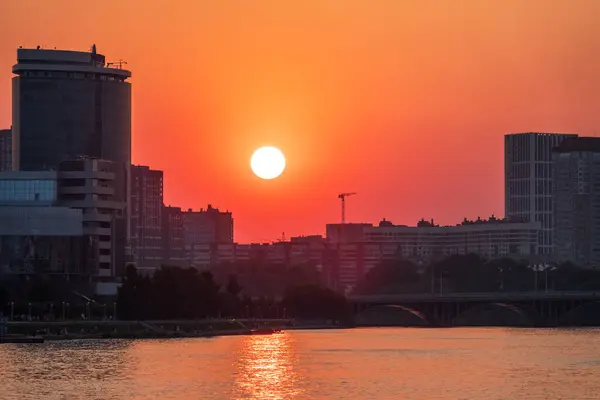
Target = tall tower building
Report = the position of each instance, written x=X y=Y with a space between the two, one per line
x=146 y=217
x=5 y=150
x=528 y=181
x=68 y=104
x=72 y=104
x=577 y=201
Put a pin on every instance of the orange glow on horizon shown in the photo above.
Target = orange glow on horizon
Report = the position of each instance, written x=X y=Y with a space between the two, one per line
x=405 y=103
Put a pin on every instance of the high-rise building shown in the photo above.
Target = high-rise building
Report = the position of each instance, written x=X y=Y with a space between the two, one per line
x=70 y=104
x=146 y=217
x=172 y=237
x=528 y=181
x=5 y=150
x=202 y=229
x=577 y=201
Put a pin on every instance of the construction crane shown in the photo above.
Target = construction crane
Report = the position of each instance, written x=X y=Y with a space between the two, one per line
x=343 y=196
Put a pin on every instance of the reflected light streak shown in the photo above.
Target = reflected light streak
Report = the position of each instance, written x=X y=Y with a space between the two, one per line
x=265 y=368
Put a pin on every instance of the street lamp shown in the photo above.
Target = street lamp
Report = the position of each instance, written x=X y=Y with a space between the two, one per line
x=29 y=312
x=12 y=311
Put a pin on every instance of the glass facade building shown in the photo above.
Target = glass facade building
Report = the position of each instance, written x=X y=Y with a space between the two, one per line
x=27 y=190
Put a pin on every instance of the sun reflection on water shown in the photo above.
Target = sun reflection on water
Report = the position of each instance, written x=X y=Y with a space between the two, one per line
x=265 y=368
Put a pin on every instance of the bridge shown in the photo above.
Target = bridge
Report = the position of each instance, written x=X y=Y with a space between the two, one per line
x=536 y=308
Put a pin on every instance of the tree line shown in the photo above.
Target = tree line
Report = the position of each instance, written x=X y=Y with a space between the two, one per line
x=474 y=274
x=186 y=293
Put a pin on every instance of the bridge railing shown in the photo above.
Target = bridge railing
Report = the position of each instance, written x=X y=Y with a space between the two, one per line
x=475 y=296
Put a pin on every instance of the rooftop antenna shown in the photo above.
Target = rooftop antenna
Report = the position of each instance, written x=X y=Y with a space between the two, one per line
x=116 y=64
x=93 y=49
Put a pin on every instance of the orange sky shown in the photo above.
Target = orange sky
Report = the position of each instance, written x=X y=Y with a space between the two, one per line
x=404 y=102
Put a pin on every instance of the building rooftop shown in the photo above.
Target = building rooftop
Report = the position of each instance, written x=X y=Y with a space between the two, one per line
x=67 y=61
x=541 y=134
x=579 y=144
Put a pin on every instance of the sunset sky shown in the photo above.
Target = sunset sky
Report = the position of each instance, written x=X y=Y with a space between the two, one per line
x=404 y=102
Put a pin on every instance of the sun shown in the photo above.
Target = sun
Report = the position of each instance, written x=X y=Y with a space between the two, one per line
x=267 y=162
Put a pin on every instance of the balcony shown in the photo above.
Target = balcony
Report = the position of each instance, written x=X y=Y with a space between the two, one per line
x=110 y=176
x=96 y=230
x=97 y=217
x=108 y=204
x=87 y=189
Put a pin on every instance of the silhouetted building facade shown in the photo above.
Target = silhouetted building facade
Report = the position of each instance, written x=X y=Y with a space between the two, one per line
x=356 y=248
x=202 y=229
x=89 y=185
x=65 y=218
x=577 y=201
x=5 y=150
x=528 y=181
x=70 y=104
x=38 y=236
x=172 y=237
x=146 y=217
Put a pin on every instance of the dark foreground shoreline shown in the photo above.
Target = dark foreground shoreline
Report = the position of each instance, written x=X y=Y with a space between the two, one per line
x=32 y=332
x=40 y=331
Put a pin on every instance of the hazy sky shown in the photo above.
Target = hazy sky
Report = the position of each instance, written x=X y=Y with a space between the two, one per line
x=404 y=102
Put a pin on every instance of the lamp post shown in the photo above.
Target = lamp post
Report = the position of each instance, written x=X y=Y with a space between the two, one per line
x=29 y=311
x=549 y=268
x=534 y=268
x=12 y=311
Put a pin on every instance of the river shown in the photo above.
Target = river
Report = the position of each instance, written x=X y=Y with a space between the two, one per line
x=374 y=363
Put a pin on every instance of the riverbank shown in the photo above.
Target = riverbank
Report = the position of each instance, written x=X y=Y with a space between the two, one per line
x=73 y=330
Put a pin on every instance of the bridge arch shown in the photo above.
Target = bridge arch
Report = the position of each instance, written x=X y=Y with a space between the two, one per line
x=497 y=314
x=587 y=314
x=390 y=315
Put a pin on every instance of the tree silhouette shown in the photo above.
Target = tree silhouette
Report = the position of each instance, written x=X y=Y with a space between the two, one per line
x=233 y=286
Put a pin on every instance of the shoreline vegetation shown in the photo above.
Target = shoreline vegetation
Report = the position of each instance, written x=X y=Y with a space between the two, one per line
x=29 y=332
x=255 y=298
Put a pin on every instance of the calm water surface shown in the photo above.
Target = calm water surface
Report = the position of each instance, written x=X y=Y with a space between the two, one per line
x=338 y=364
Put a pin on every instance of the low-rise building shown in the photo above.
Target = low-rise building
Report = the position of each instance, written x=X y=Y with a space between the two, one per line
x=67 y=217
x=359 y=247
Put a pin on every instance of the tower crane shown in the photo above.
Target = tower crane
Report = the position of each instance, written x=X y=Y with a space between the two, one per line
x=343 y=196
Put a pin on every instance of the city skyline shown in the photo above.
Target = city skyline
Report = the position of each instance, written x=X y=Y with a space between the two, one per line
x=345 y=123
